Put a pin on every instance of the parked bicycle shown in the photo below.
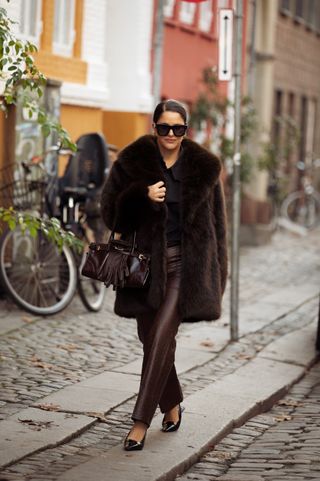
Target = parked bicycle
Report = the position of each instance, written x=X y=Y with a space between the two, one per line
x=39 y=277
x=302 y=207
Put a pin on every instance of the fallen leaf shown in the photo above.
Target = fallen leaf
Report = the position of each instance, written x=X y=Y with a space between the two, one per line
x=283 y=417
x=48 y=406
x=73 y=376
x=222 y=455
x=207 y=343
x=96 y=415
x=290 y=402
x=37 y=362
x=243 y=356
x=36 y=425
x=43 y=365
x=26 y=319
x=68 y=347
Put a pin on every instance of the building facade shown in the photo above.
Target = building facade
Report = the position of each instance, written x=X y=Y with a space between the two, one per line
x=190 y=45
x=283 y=80
x=100 y=53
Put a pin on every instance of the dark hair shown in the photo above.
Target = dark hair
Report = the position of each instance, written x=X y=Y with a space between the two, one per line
x=171 y=106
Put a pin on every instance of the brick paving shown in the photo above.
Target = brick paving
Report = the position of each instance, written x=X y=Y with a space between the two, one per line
x=280 y=445
x=47 y=354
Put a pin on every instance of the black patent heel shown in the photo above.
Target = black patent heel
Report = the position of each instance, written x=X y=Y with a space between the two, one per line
x=132 y=444
x=170 y=426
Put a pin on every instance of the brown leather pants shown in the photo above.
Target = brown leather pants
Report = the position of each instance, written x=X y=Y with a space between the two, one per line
x=157 y=330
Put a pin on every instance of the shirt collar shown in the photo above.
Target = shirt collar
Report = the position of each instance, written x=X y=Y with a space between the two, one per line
x=176 y=169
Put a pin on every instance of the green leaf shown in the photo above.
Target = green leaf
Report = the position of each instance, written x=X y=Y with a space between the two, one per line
x=45 y=130
x=33 y=231
x=12 y=224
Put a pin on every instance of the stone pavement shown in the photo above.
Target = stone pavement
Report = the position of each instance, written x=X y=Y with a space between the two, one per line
x=281 y=445
x=69 y=382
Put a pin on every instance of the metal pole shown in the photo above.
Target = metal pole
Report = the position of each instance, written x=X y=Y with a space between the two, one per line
x=234 y=308
x=252 y=63
x=157 y=54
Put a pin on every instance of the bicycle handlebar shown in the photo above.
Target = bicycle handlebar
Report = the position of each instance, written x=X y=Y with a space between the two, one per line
x=36 y=159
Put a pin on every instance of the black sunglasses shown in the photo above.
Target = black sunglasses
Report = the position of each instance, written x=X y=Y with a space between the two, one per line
x=178 y=129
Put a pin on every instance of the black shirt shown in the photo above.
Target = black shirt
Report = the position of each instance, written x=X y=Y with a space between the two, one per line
x=173 y=177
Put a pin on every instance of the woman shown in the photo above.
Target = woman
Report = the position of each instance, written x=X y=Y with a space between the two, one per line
x=167 y=189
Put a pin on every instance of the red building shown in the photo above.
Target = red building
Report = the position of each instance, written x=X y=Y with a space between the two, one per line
x=190 y=45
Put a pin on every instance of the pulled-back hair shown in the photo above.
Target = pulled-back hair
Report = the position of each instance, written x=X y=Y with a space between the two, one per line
x=170 y=105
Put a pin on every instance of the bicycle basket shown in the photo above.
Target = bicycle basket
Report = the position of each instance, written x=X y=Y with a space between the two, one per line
x=22 y=186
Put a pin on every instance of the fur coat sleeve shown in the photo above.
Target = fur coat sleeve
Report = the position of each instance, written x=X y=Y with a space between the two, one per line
x=124 y=202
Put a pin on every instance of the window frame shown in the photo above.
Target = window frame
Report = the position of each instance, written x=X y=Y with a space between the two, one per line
x=206 y=16
x=26 y=35
x=168 y=9
x=299 y=16
x=59 y=47
x=277 y=113
x=187 y=13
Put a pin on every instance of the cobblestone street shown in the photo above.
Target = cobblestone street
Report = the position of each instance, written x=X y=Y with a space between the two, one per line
x=41 y=357
x=280 y=445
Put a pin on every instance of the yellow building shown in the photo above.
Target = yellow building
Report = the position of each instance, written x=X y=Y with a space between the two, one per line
x=101 y=59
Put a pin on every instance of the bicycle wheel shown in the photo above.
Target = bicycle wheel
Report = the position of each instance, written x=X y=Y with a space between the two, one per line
x=38 y=277
x=302 y=209
x=91 y=292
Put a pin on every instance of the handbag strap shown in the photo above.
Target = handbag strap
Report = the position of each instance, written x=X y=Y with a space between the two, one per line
x=133 y=239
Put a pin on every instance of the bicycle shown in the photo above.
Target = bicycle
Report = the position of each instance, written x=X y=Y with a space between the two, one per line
x=39 y=277
x=302 y=207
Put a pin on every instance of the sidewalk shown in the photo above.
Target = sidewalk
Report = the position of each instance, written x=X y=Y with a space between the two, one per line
x=68 y=383
x=280 y=445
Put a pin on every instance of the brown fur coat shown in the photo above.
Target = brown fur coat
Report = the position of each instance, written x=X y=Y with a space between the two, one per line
x=126 y=207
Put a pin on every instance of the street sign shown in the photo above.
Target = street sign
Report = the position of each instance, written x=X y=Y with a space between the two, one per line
x=225 y=43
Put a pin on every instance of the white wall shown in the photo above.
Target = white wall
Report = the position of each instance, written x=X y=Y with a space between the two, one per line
x=128 y=45
x=96 y=91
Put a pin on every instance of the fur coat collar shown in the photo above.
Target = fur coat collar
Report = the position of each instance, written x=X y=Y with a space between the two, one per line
x=200 y=168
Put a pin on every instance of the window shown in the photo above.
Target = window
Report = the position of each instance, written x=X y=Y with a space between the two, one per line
x=303 y=128
x=205 y=18
x=291 y=105
x=298 y=11
x=310 y=134
x=276 y=119
x=316 y=19
x=290 y=135
x=310 y=12
x=64 y=34
x=285 y=6
x=168 y=8
x=187 y=11
x=30 y=24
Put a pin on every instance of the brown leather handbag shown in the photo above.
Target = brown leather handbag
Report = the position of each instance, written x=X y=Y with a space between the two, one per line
x=118 y=263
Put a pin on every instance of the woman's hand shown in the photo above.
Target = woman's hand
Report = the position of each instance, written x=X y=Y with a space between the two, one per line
x=157 y=192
